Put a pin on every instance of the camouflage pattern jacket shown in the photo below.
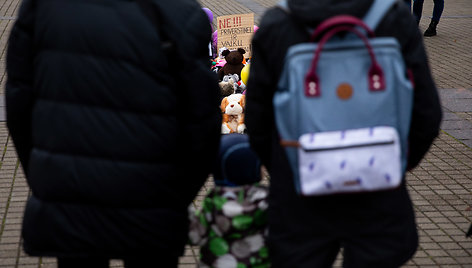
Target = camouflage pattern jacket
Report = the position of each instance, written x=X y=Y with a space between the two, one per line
x=231 y=227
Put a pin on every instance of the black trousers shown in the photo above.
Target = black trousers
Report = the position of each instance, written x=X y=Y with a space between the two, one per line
x=371 y=229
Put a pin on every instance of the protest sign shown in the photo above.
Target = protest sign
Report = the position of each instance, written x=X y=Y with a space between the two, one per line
x=235 y=31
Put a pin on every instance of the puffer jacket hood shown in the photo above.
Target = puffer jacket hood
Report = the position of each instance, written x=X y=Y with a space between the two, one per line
x=307 y=11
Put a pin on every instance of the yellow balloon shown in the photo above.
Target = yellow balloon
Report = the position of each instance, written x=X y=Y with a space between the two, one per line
x=245 y=73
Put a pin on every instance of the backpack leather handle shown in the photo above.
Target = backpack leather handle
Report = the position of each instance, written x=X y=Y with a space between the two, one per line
x=375 y=77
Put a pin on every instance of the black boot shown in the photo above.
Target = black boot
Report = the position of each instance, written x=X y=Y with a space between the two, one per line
x=431 y=31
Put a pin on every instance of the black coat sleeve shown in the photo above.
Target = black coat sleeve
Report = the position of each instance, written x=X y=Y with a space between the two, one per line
x=199 y=116
x=259 y=117
x=426 y=114
x=269 y=46
x=19 y=86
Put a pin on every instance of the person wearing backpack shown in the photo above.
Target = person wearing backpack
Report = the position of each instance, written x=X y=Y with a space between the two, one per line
x=374 y=229
x=99 y=119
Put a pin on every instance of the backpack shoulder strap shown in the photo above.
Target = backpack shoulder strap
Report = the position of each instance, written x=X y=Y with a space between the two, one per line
x=377 y=11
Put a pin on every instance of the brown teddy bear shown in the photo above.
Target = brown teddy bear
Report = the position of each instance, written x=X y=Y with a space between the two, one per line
x=234 y=63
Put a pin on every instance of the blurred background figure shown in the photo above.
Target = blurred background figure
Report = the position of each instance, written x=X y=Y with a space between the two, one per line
x=212 y=45
x=437 y=12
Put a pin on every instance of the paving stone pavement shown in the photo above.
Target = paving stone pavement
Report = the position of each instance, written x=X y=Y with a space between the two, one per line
x=440 y=187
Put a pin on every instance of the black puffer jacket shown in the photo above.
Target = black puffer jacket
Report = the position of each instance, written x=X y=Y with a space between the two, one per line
x=115 y=142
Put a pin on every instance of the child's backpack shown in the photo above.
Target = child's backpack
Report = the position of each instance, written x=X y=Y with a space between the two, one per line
x=343 y=107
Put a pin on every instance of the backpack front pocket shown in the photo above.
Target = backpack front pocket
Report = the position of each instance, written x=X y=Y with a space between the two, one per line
x=355 y=160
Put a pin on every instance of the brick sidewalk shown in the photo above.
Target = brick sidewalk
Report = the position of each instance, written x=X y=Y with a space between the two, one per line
x=440 y=187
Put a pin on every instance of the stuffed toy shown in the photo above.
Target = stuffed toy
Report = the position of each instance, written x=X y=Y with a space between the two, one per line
x=233 y=114
x=234 y=63
x=220 y=53
x=229 y=85
x=241 y=88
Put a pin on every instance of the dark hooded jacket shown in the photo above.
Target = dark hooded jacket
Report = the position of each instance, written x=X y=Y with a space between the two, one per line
x=289 y=214
x=114 y=137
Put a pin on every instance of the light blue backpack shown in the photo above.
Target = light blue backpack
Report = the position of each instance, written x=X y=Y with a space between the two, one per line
x=343 y=107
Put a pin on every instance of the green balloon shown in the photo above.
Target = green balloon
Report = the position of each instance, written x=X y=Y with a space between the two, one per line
x=218 y=246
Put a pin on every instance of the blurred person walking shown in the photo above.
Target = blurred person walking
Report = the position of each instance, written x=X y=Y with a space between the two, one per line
x=375 y=229
x=437 y=12
x=100 y=120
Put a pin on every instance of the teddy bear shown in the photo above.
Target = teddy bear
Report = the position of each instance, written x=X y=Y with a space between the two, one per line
x=229 y=85
x=234 y=63
x=232 y=108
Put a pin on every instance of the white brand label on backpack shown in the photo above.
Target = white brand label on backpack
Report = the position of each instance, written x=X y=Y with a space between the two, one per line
x=355 y=160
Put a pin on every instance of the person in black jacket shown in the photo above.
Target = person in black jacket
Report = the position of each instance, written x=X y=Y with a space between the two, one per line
x=374 y=229
x=114 y=138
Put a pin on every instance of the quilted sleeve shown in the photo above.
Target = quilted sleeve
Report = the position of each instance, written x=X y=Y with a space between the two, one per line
x=427 y=113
